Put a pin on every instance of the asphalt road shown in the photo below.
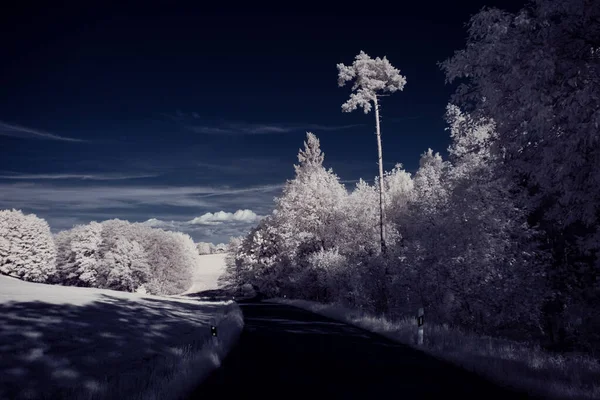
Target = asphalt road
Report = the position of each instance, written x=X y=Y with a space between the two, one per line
x=285 y=352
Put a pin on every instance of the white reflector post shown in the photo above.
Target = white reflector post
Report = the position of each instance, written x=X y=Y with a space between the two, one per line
x=420 y=323
x=213 y=328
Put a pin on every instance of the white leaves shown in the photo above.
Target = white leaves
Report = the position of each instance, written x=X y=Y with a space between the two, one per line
x=27 y=250
x=128 y=267
x=314 y=197
x=312 y=156
x=79 y=254
x=345 y=74
x=372 y=76
x=119 y=255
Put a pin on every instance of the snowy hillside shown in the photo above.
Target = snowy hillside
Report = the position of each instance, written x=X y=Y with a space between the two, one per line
x=53 y=338
x=206 y=275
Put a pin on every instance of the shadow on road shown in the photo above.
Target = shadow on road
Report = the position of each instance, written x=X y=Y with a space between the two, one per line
x=286 y=352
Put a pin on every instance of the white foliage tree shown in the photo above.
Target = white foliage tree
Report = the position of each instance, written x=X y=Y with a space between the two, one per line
x=399 y=192
x=172 y=257
x=78 y=255
x=372 y=77
x=262 y=260
x=27 y=249
x=330 y=268
x=311 y=205
x=233 y=276
x=127 y=266
x=307 y=218
x=122 y=263
x=360 y=232
x=119 y=255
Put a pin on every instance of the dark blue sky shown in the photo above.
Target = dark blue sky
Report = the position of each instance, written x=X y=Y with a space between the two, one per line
x=174 y=111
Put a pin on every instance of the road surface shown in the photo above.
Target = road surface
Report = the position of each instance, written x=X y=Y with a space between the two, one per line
x=285 y=352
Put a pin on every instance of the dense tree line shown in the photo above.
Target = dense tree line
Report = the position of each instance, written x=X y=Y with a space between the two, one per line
x=502 y=237
x=113 y=254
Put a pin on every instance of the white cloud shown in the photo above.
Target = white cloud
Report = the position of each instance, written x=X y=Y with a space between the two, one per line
x=154 y=222
x=219 y=217
x=30 y=133
x=67 y=203
x=212 y=227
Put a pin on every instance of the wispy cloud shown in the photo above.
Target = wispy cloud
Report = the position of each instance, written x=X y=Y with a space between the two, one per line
x=194 y=123
x=234 y=129
x=91 y=177
x=73 y=198
x=30 y=133
x=245 y=165
x=239 y=129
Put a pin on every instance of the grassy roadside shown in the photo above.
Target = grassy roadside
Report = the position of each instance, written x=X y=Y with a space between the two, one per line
x=175 y=375
x=514 y=364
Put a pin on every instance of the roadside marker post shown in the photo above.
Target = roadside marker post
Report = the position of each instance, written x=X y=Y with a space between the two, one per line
x=420 y=322
x=213 y=329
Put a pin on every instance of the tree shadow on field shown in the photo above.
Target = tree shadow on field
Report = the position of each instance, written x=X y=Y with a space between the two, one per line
x=50 y=350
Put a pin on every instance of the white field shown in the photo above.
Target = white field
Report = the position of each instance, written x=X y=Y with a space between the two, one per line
x=57 y=338
x=206 y=275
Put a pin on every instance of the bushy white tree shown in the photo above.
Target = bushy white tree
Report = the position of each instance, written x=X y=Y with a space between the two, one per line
x=27 y=249
x=126 y=265
x=78 y=255
x=276 y=255
x=311 y=205
x=119 y=255
x=233 y=276
x=360 y=232
x=372 y=77
x=263 y=262
x=172 y=257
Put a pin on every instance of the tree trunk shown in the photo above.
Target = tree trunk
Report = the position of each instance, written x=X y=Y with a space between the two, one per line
x=381 y=195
